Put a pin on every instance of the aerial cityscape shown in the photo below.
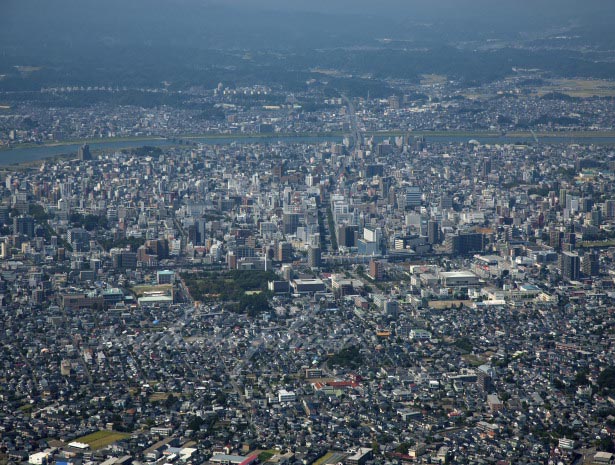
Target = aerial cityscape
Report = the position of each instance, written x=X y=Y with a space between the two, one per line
x=307 y=233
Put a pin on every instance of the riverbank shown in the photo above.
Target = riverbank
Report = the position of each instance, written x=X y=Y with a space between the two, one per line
x=27 y=153
x=326 y=135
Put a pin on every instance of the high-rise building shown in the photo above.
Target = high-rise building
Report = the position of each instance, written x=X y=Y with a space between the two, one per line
x=284 y=252
x=391 y=308
x=570 y=241
x=376 y=270
x=77 y=236
x=279 y=170
x=587 y=204
x=23 y=225
x=158 y=247
x=394 y=102
x=562 y=197
x=464 y=243
x=290 y=222
x=347 y=235
x=570 y=266
x=123 y=259
x=4 y=214
x=446 y=201
x=433 y=232
x=591 y=264
x=84 y=153
x=314 y=257
x=413 y=197
x=555 y=239
x=484 y=378
x=19 y=202
x=596 y=217
x=374 y=170
x=486 y=168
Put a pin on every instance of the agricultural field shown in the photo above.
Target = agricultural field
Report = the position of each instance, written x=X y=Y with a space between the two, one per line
x=432 y=79
x=582 y=88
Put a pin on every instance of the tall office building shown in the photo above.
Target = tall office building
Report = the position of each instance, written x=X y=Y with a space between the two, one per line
x=4 y=214
x=591 y=264
x=290 y=222
x=486 y=167
x=374 y=170
x=555 y=238
x=123 y=259
x=570 y=241
x=314 y=257
x=23 y=225
x=596 y=217
x=376 y=270
x=419 y=143
x=19 y=201
x=84 y=153
x=562 y=197
x=433 y=232
x=413 y=197
x=446 y=201
x=284 y=252
x=609 y=209
x=464 y=243
x=570 y=266
x=346 y=235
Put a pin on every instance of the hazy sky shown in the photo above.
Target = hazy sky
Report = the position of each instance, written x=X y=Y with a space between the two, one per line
x=266 y=23
x=431 y=9
x=435 y=8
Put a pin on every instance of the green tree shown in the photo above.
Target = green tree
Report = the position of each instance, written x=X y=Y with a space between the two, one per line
x=606 y=379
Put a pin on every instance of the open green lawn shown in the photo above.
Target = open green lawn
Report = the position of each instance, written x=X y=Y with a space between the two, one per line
x=265 y=455
x=592 y=244
x=26 y=408
x=101 y=439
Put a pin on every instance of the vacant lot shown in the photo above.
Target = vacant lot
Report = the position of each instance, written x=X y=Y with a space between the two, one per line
x=443 y=304
x=163 y=288
x=162 y=396
x=101 y=439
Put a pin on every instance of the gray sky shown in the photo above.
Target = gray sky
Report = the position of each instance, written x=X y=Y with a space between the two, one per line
x=432 y=8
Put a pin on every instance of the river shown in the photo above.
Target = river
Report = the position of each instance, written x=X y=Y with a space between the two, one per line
x=33 y=153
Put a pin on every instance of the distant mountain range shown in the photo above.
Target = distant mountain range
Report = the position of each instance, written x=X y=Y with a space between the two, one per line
x=188 y=42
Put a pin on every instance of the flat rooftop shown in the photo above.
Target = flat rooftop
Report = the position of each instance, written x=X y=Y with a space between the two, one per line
x=458 y=274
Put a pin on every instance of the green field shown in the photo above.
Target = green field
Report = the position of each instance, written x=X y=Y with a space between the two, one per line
x=582 y=88
x=101 y=439
x=265 y=455
x=597 y=244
